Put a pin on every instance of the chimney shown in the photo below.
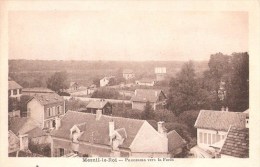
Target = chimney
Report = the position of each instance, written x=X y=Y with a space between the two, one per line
x=111 y=130
x=161 y=128
x=23 y=141
x=98 y=114
x=58 y=123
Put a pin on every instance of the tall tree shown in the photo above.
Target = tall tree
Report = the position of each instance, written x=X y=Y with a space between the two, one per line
x=184 y=90
x=58 y=82
x=148 y=113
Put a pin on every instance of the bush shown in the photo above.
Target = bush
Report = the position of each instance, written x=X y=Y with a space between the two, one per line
x=42 y=149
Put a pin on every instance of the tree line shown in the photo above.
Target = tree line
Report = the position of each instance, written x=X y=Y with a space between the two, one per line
x=224 y=84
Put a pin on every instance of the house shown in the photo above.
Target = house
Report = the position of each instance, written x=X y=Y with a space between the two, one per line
x=105 y=81
x=236 y=144
x=102 y=105
x=145 y=82
x=74 y=86
x=22 y=132
x=212 y=129
x=128 y=74
x=91 y=135
x=14 y=89
x=46 y=109
x=141 y=96
x=36 y=90
x=160 y=73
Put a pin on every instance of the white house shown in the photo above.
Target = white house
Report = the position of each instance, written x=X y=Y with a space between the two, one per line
x=105 y=81
x=128 y=74
x=145 y=82
x=14 y=90
x=160 y=73
x=212 y=128
x=46 y=109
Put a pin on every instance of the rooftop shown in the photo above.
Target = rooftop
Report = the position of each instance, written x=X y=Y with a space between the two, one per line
x=21 y=125
x=97 y=104
x=175 y=141
x=38 y=89
x=49 y=98
x=236 y=143
x=147 y=80
x=99 y=128
x=220 y=120
x=13 y=85
x=144 y=95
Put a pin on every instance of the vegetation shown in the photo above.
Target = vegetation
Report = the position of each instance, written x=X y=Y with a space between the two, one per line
x=42 y=149
x=58 y=82
x=225 y=84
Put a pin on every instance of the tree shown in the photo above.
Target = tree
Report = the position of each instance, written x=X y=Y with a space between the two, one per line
x=13 y=104
x=148 y=112
x=183 y=90
x=58 y=82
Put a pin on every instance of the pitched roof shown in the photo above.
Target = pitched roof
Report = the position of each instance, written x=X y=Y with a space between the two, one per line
x=144 y=95
x=220 y=120
x=36 y=132
x=175 y=141
x=97 y=104
x=128 y=71
x=99 y=128
x=49 y=98
x=38 y=90
x=21 y=125
x=13 y=85
x=236 y=143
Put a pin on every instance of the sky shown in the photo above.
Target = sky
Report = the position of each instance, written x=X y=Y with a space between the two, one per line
x=125 y=35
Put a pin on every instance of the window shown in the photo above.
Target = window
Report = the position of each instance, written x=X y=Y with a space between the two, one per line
x=223 y=136
x=205 y=138
x=61 y=152
x=53 y=111
x=213 y=138
x=15 y=92
x=47 y=124
x=218 y=138
x=209 y=138
x=48 y=112
x=20 y=91
x=53 y=124
x=201 y=140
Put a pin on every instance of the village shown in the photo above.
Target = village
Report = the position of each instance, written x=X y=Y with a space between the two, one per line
x=123 y=115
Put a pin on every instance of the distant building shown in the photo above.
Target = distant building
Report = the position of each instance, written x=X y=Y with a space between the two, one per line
x=128 y=74
x=145 y=82
x=212 y=129
x=97 y=135
x=14 y=90
x=46 y=109
x=102 y=105
x=160 y=73
x=74 y=86
x=105 y=81
x=156 y=98
x=36 y=90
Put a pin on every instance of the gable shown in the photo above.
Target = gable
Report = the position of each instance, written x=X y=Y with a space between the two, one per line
x=146 y=138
